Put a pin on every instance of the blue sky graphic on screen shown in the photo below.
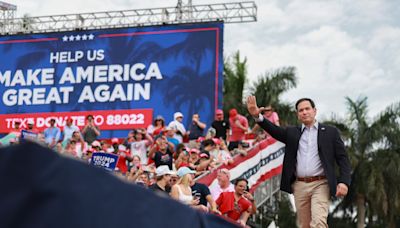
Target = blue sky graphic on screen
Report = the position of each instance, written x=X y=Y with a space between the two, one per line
x=147 y=71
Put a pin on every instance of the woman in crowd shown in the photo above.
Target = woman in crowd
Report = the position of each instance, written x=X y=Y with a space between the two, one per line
x=182 y=191
x=140 y=144
x=157 y=127
x=181 y=156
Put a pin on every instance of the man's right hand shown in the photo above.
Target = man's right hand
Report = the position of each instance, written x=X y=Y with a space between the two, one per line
x=252 y=106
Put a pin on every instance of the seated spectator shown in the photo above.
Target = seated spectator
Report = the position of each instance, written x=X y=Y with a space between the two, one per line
x=234 y=205
x=136 y=162
x=183 y=157
x=204 y=163
x=202 y=192
x=157 y=127
x=208 y=145
x=163 y=177
x=181 y=191
x=221 y=154
x=224 y=184
x=194 y=158
x=144 y=179
x=174 y=179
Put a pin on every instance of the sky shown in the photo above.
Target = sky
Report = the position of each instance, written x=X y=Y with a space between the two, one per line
x=339 y=47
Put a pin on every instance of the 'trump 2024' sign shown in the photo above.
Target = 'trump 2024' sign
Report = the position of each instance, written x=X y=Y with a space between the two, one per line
x=121 y=76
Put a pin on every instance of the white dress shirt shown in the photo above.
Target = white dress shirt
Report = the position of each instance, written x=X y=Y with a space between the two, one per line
x=308 y=161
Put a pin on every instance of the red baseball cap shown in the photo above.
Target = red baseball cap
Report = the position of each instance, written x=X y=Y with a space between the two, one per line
x=219 y=112
x=200 y=139
x=203 y=155
x=194 y=150
x=216 y=141
x=114 y=140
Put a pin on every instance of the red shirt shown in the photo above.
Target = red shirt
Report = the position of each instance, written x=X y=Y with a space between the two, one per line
x=121 y=164
x=229 y=207
x=238 y=134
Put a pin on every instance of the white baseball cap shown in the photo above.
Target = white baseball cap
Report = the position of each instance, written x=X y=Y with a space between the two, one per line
x=178 y=114
x=163 y=170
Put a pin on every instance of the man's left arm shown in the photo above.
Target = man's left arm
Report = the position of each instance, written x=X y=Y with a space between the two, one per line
x=342 y=160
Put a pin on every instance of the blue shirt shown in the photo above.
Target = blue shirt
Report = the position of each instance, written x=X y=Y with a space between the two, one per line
x=52 y=133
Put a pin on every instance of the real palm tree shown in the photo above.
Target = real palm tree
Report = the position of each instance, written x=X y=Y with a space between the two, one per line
x=373 y=150
x=235 y=79
x=270 y=86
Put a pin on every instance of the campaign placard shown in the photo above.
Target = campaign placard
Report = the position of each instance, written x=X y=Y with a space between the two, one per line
x=104 y=160
x=28 y=135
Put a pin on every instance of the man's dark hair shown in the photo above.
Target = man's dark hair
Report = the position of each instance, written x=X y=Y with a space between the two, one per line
x=208 y=142
x=305 y=99
x=91 y=116
x=241 y=179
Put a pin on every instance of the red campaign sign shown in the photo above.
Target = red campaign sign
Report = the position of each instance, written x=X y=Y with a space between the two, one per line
x=105 y=119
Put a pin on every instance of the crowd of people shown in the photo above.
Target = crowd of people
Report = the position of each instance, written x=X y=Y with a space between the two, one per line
x=167 y=158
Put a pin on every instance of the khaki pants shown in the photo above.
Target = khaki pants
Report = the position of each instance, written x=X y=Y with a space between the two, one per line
x=312 y=203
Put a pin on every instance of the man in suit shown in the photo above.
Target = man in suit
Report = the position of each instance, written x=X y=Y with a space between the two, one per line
x=308 y=166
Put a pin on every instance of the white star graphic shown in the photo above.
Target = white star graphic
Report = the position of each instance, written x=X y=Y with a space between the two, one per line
x=84 y=37
x=65 y=38
x=91 y=36
x=78 y=37
x=71 y=38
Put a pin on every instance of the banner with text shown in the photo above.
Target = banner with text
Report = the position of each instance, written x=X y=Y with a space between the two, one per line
x=121 y=76
x=105 y=160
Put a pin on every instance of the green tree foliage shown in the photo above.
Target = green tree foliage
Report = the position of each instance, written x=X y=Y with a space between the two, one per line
x=268 y=90
x=373 y=147
x=235 y=78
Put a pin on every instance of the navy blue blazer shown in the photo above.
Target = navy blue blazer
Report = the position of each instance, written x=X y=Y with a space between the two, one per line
x=39 y=188
x=330 y=149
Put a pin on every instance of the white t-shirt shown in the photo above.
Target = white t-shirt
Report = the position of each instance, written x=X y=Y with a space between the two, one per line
x=178 y=126
x=140 y=148
x=68 y=131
